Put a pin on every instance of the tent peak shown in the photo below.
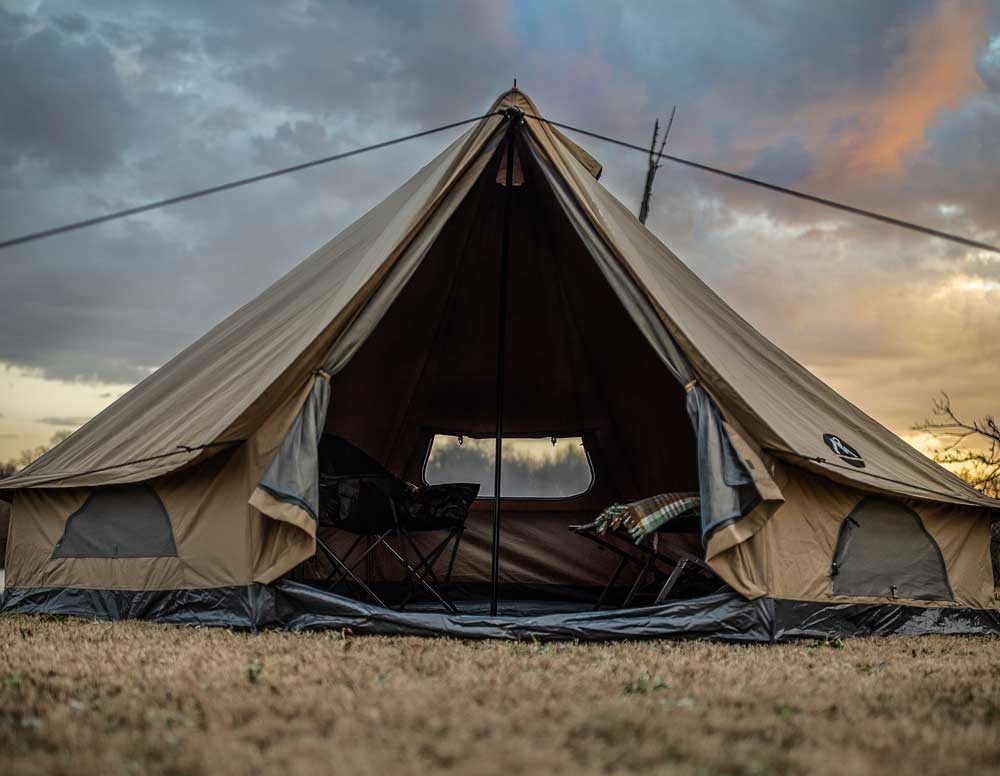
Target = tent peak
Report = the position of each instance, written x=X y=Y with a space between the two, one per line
x=517 y=99
x=514 y=98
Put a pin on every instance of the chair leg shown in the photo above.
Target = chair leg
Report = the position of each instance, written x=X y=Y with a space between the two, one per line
x=346 y=560
x=414 y=575
x=368 y=553
x=424 y=562
x=637 y=583
x=457 y=534
x=671 y=581
x=611 y=582
x=334 y=559
x=427 y=563
x=399 y=531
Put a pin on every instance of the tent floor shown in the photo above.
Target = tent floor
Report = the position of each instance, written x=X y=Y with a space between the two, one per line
x=524 y=598
x=722 y=616
x=506 y=608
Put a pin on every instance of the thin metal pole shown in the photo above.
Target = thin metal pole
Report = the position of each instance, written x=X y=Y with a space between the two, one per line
x=501 y=364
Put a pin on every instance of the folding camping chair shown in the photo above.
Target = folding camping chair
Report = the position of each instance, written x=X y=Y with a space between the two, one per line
x=626 y=529
x=378 y=507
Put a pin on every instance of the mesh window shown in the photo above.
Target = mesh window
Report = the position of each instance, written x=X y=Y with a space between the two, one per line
x=532 y=468
x=884 y=550
x=118 y=522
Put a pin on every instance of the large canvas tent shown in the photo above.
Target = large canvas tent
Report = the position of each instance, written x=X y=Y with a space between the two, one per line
x=194 y=496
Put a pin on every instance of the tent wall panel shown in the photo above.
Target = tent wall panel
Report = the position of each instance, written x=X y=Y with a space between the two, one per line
x=208 y=514
x=37 y=522
x=963 y=536
x=790 y=557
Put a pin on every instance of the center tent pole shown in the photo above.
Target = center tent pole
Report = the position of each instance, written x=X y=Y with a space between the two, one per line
x=514 y=117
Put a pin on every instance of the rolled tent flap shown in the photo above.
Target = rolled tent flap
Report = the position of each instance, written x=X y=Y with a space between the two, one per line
x=727 y=487
x=289 y=489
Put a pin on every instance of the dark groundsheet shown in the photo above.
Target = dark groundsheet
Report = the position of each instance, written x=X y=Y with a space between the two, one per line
x=723 y=616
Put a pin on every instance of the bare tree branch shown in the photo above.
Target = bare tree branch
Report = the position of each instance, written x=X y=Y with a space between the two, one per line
x=973 y=447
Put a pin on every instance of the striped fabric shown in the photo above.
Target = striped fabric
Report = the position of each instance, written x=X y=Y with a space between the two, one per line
x=641 y=518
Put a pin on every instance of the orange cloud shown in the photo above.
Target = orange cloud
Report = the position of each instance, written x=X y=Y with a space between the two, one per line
x=935 y=70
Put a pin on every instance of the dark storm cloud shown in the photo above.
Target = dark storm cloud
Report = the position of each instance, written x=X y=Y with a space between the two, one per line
x=72 y=23
x=119 y=34
x=63 y=103
x=13 y=24
x=111 y=303
x=167 y=45
x=291 y=142
x=130 y=101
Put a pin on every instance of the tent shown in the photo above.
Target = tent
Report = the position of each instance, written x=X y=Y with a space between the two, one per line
x=503 y=262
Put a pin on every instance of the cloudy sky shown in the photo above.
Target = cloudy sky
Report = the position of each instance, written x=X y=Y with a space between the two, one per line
x=888 y=105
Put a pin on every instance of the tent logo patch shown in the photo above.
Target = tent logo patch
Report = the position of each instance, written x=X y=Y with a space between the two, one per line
x=844 y=450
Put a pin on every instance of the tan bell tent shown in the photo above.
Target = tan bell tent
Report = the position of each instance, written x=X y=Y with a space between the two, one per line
x=194 y=497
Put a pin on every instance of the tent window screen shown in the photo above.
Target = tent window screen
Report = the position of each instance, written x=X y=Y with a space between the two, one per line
x=532 y=468
x=118 y=522
x=884 y=550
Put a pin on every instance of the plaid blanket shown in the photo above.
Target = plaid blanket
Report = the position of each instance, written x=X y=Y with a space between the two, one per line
x=641 y=518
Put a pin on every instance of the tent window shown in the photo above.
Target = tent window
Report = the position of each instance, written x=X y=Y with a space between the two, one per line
x=552 y=468
x=884 y=550
x=118 y=522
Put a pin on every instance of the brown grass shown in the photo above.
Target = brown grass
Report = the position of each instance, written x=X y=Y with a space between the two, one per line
x=132 y=698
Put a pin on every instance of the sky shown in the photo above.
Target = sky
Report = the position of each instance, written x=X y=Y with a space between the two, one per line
x=893 y=106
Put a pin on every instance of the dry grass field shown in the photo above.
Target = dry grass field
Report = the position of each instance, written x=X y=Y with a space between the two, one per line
x=132 y=698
